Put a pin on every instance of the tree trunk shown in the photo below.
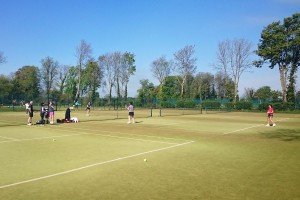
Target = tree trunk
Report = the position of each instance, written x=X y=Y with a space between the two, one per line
x=125 y=93
x=283 y=79
x=235 y=92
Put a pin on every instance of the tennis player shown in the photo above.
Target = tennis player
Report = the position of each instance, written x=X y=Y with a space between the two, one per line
x=130 y=108
x=270 y=113
x=30 y=113
x=88 y=108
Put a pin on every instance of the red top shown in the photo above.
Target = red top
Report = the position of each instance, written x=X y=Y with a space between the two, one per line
x=270 y=110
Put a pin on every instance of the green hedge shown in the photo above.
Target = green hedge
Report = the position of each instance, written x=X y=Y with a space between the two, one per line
x=211 y=104
x=243 y=105
x=186 y=104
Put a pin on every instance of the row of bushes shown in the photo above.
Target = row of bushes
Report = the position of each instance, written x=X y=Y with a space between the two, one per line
x=240 y=105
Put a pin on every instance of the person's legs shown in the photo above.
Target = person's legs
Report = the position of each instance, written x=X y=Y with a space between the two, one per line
x=129 y=119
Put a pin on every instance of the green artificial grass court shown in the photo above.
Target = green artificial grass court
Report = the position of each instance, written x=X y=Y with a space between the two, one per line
x=229 y=155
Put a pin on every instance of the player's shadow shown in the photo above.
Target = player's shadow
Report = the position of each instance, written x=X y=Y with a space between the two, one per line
x=283 y=134
x=137 y=122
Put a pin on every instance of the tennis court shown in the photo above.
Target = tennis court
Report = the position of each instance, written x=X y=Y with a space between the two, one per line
x=188 y=156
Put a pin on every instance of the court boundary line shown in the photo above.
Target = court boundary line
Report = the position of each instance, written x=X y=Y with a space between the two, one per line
x=76 y=133
x=93 y=165
x=242 y=129
x=151 y=136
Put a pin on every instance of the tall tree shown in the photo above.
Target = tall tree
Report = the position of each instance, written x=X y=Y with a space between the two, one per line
x=234 y=59
x=26 y=83
x=170 y=88
x=263 y=93
x=249 y=93
x=223 y=85
x=147 y=91
x=2 y=58
x=161 y=68
x=117 y=64
x=5 y=89
x=106 y=62
x=71 y=84
x=49 y=72
x=185 y=64
x=92 y=78
x=279 y=46
x=128 y=68
x=62 y=77
x=83 y=54
x=203 y=85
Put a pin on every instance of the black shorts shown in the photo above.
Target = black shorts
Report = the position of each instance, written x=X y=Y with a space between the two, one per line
x=131 y=114
x=270 y=114
x=31 y=114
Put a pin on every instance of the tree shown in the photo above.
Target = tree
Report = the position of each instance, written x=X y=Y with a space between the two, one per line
x=292 y=24
x=233 y=60
x=2 y=58
x=106 y=62
x=128 y=68
x=26 y=83
x=170 y=88
x=62 y=77
x=249 y=93
x=49 y=71
x=83 y=54
x=203 y=85
x=71 y=84
x=161 y=68
x=185 y=64
x=264 y=93
x=147 y=91
x=5 y=89
x=117 y=64
x=279 y=46
x=224 y=85
x=92 y=78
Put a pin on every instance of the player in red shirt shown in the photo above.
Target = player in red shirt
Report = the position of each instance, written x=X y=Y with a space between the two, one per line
x=270 y=113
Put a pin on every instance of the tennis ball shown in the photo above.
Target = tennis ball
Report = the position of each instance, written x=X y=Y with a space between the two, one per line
x=54 y=140
x=145 y=160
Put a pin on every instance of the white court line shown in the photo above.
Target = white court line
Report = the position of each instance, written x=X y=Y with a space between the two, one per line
x=242 y=129
x=112 y=136
x=168 y=138
x=92 y=165
x=7 y=138
x=40 y=138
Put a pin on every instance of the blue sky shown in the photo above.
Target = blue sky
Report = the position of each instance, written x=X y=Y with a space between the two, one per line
x=31 y=30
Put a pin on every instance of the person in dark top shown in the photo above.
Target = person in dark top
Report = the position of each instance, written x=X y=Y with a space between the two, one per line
x=42 y=113
x=68 y=115
x=88 y=108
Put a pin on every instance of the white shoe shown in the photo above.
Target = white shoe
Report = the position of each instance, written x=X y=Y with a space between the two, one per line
x=128 y=122
x=268 y=125
x=29 y=124
x=274 y=124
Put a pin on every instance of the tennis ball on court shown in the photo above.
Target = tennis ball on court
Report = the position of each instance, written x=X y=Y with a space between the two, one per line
x=54 y=140
x=145 y=160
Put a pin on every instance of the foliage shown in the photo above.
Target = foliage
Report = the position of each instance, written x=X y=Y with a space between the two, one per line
x=211 y=104
x=170 y=89
x=279 y=46
x=186 y=104
x=5 y=89
x=243 y=105
x=146 y=93
x=263 y=93
x=26 y=83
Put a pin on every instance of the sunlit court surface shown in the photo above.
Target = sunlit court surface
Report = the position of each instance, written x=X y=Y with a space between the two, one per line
x=174 y=154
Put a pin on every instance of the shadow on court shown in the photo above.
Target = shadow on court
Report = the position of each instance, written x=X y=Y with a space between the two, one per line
x=283 y=134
